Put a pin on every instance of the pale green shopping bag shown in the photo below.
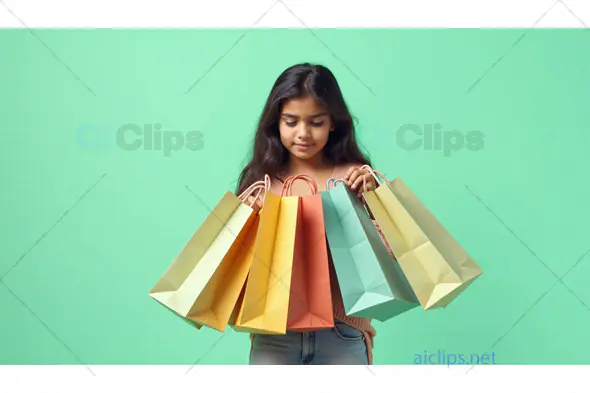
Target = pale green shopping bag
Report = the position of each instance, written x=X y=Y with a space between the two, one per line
x=436 y=265
x=371 y=281
x=203 y=283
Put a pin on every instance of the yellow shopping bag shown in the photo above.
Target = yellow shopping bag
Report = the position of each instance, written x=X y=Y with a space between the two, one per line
x=436 y=266
x=204 y=282
x=265 y=304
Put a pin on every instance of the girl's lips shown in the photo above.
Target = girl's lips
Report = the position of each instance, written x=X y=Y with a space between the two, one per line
x=302 y=146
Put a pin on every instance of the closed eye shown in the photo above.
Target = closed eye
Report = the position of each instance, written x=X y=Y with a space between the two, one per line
x=313 y=123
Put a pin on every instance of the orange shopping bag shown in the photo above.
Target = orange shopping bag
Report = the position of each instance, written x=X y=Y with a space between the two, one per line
x=310 y=301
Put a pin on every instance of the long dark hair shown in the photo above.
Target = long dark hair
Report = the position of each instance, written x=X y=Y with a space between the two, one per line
x=269 y=156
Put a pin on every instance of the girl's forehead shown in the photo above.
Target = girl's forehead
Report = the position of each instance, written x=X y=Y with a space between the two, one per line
x=302 y=106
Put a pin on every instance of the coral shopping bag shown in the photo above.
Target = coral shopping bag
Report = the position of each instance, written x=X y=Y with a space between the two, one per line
x=310 y=303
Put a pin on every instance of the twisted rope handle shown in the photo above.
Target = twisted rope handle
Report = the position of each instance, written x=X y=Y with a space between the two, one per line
x=374 y=172
x=288 y=185
x=259 y=185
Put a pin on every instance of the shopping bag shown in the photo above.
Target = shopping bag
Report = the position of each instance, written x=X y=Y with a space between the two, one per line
x=371 y=282
x=310 y=302
x=436 y=265
x=203 y=283
x=233 y=319
x=265 y=304
x=246 y=257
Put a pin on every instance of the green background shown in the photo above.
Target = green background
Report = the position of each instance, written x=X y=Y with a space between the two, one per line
x=86 y=259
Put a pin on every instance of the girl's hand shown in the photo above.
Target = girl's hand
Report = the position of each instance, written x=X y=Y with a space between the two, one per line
x=354 y=179
x=257 y=204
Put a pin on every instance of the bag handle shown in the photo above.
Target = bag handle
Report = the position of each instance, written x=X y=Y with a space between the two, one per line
x=331 y=183
x=288 y=185
x=259 y=185
x=375 y=172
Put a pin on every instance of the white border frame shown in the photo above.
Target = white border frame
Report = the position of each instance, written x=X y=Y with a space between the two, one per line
x=308 y=13
x=294 y=14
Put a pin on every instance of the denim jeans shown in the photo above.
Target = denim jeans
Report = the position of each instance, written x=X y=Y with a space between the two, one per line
x=340 y=345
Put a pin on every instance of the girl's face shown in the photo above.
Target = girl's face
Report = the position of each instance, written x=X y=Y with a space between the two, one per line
x=304 y=127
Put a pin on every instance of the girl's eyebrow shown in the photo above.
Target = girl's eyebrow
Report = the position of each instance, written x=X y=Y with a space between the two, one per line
x=296 y=117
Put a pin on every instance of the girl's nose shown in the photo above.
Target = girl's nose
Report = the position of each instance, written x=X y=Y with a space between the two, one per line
x=304 y=129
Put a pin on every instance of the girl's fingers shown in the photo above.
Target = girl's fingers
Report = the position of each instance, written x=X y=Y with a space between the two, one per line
x=358 y=182
x=255 y=204
x=370 y=183
x=349 y=172
x=353 y=177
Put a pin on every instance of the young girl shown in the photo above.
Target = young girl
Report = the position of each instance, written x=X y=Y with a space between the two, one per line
x=306 y=128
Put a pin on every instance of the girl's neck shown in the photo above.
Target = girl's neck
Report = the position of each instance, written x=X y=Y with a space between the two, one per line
x=311 y=166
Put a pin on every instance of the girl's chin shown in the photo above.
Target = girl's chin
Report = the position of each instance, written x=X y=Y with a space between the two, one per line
x=304 y=155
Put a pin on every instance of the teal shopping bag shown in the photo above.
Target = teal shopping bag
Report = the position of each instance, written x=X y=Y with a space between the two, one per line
x=371 y=281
